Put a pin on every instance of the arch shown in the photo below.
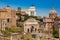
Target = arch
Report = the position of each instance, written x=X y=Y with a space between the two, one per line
x=32 y=27
x=27 y=30
x=8 y=20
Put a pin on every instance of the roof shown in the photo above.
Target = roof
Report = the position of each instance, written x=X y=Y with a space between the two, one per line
x=31 y=20
x=53 y=11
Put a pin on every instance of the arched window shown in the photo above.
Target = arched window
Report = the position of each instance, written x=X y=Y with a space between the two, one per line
x=32 y=28
x=27 y=30
x=7 y=20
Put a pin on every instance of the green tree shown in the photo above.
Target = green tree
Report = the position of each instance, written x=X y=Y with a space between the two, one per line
x=28 y=39
x=33 y=36
x=56 y=33
x=26 y=16
x=12 y=29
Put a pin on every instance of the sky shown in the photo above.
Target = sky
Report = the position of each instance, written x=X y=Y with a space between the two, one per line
x=43 y=7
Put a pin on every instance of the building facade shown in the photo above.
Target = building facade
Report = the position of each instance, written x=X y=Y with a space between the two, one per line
x=52 y=21
x=7 y=17
x=31 y=11
x=31 y=26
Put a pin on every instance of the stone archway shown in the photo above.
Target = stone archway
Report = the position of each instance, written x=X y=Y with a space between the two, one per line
x=32 y=28
x=27 y=30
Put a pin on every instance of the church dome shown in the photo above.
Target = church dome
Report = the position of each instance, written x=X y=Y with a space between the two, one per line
x=53 y=11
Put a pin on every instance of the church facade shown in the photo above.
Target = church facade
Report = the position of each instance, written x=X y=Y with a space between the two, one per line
x=53 y=21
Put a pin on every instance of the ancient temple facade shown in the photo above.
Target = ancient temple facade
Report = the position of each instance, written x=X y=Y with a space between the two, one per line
x=7 y=17
x=31 y=25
